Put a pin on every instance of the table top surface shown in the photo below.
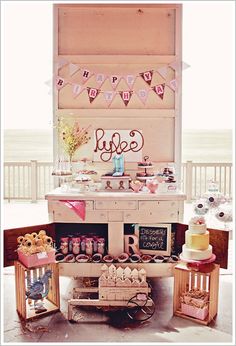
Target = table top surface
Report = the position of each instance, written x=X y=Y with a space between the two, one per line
x=117 y=195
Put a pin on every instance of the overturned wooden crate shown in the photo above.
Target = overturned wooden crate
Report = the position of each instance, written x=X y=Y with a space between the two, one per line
x=37 y=290
x=186 y=279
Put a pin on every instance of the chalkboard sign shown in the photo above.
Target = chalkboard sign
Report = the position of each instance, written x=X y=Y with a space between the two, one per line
x=154 y=238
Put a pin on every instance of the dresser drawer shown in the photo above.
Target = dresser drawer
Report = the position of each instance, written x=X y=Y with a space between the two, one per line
x=90 y=217
x=150 y=216
x=115 y=215
x=114 y=205
x=158 y=205
x=59 y=206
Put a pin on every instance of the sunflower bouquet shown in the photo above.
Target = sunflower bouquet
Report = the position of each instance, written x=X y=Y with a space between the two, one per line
x=72 y=137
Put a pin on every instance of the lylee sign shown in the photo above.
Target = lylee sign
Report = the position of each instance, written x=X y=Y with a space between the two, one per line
x=109 y=143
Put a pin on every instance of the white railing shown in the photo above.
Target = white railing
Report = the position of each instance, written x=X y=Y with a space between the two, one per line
x=32 y=180
x=196 y=176
x=27 y=180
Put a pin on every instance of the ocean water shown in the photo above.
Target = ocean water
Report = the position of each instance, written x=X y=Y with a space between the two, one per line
x=197 y=145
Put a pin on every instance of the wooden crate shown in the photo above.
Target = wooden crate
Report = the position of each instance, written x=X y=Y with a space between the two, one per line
x=23 y=277
x=186 y=278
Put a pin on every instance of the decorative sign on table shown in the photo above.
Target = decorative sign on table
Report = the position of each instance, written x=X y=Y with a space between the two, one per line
x=109 y=143
x=154 y=239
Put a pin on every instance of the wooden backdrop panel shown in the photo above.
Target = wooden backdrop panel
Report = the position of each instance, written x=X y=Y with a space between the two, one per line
x=111 y=29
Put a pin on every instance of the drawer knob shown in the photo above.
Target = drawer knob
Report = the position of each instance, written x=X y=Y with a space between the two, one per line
x=127 y=215
x=172 y=214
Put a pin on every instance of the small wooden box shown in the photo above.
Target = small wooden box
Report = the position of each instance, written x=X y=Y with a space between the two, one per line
x=37 y=259
x=24 y=277
x=110 y=183
x=186 y=278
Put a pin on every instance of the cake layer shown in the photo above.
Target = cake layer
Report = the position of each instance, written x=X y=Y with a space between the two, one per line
x=198 y=255
x=197 y=229
x=197 y=241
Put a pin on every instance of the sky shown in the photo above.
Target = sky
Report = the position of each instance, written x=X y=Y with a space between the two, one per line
x=208 y=47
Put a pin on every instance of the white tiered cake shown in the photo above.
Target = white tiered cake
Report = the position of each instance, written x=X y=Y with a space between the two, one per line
x=196 y=245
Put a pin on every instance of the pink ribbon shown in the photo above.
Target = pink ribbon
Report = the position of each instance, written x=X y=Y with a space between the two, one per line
x=77 y=206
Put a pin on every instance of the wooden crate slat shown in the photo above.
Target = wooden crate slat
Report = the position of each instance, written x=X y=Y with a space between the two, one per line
x=23 y=278
x=205 y=281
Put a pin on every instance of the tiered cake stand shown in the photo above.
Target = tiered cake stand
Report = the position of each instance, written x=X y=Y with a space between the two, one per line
x=145 y=177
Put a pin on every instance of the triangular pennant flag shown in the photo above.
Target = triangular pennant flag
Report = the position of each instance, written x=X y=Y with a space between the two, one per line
x=114 y=79
x=130 y=79
x=73 y=68
x=92 y=94
x=77 y=89
x=159 y=90
x=185 y=65
x=61 y=62
x=100 y=79
x=163 y=71
x=86 y=74
x=60 y=83
x=177 y=65
x=126 y=96
x=143 y=95
x=49 y=84
x=173 y=84
x=109 y=96
x=147 y=76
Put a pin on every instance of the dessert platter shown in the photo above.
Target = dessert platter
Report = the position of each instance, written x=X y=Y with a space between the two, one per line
x=146 y=165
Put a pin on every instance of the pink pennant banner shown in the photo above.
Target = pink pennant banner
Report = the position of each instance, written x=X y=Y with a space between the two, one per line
x=179 y=65
x=159 y=90
x=86 y=74
x=100 y=79
x=73 y=68
x=130 y=79
x=92 y=94
x=163 y=71
x=126 y=96
x=109 y=96
x=143 y=95
x=173 y=84
x=77 y=89
x=77 y=206
x=114 y=80
x=61 y=62
x=60 y=83
x=147 y=76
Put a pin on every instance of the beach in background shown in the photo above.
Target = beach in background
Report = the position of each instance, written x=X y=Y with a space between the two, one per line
x=197 y=145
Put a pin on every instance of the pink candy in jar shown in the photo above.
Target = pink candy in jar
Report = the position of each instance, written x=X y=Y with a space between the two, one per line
x=89 y=246
x=76 y=245
x=64 y=245
x=101 y=246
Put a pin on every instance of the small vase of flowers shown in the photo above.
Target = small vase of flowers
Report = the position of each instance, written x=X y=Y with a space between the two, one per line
x=72 y=138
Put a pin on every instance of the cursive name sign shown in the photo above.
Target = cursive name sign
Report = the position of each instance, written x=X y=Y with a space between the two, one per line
x=115 y=142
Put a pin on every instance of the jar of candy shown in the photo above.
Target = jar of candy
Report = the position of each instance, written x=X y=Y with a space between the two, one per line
x=82 y=243
x=101 y=246
x=89 y=246
x=76 y=245
x=95 y=244
x=70 y=243
x=64 y=245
